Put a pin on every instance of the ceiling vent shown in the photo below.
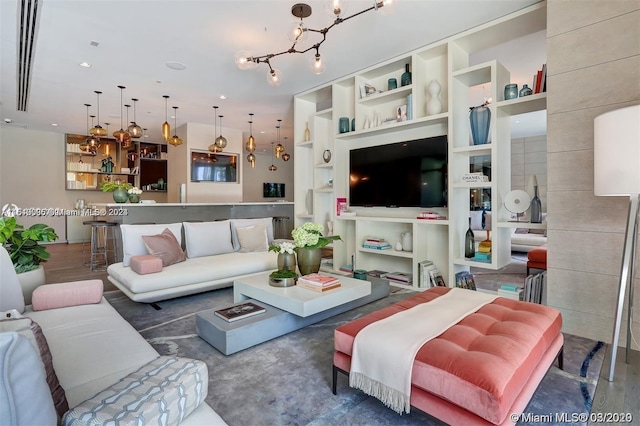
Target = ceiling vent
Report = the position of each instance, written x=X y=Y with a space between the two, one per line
x=28 y=22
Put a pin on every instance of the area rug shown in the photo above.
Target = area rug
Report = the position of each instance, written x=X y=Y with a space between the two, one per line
x=287 y=380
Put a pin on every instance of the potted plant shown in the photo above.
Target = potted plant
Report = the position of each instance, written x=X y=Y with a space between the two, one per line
x=309 y=241
x=119 y=189
x=25 y=252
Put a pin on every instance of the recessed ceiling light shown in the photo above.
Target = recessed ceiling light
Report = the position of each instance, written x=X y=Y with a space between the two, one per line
x=178 y=66
x=94 y=43
x=54 y=124
x=222 y=97
x=85 y=64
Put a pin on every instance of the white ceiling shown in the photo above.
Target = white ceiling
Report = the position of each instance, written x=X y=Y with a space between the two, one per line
x=138 y=38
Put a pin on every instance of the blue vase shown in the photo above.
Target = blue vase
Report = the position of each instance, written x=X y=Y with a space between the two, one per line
x=480 y=120
x=343 y=125
x=510 y=91
x=120 y=195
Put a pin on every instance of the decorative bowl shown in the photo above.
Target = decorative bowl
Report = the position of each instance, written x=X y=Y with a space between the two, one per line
x=283 y=282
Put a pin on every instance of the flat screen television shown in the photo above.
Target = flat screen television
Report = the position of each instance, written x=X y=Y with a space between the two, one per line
x=403 y=174
x=209 y=167
x=272 y=190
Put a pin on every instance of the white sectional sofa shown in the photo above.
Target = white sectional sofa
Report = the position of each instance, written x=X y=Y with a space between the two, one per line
x=91 y=348
x=216 y=254
x=522 y=239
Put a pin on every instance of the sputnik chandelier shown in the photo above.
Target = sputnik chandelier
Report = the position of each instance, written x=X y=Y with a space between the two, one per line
x=298 y=34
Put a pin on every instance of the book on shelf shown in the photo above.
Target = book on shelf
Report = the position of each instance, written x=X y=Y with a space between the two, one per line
x=377 y=273
x=465 y=280
x=535 y=288
x=243 y=310
x=436 y=278
x=377 y=247
x=399 y=277
x=511 y=291
x=318 y=279
x=424 y=279
x=341 y=205
x=375 y=239
x=346 y=268
x=317 y=288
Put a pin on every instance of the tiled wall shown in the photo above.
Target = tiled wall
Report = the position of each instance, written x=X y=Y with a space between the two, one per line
x=593 y=50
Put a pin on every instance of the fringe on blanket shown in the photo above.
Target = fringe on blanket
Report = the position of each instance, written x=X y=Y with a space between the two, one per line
x=392 y=398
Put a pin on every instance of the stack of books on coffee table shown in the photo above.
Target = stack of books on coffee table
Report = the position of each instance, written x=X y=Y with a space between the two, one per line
x=318 y=282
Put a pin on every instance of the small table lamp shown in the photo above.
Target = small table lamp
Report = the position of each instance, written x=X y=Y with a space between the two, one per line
x=617 y=173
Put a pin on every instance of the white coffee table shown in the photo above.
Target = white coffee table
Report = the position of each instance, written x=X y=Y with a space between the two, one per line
x=296 y=300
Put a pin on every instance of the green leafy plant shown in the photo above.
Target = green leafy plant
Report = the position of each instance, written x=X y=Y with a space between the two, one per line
x=111 y=186
x=22 y=244
x=283 y=273
x=310 y=236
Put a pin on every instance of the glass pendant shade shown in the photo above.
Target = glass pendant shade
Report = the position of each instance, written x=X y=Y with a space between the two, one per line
x=214 y=148
x=297 y=33
x=134 y=130
x=316 y=64
x=274 y=77
x=243 y=60
x=250 y=145
x=336 y=8
x=175 y=140
x=97 y=130
x=166 y=127
x=221 y=141
x=252 y=160
x=278 y=150
x=285 y=157
x=272 y=167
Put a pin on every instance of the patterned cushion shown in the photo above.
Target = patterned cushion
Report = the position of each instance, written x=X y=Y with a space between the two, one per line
x=163 y=392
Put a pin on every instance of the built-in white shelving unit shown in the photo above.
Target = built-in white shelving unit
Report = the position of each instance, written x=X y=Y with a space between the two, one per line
x=319 y=184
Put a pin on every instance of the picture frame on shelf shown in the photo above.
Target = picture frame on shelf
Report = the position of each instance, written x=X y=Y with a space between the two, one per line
x=401 y=113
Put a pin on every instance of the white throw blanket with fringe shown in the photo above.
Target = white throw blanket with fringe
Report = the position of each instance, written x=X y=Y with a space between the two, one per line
x=384 y=351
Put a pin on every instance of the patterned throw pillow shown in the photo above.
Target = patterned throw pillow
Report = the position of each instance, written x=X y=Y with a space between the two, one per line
x=165 y=246
x=162 y=392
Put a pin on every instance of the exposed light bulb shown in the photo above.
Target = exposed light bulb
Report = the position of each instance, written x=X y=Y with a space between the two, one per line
x=336 y=8
x=316 y=64
x=298 y=33
x=244 y=60
x=274 y=77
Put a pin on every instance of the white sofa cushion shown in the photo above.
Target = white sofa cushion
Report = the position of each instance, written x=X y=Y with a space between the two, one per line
x=162 y=392
x=236 y=223
x=217 y=268
x=253 y=238
x=24 y=393
x=133 y=244
x=207 y=238
x=92 y=347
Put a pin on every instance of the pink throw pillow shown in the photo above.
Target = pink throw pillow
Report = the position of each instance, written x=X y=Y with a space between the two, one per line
x=165 y=246
x=53 y=296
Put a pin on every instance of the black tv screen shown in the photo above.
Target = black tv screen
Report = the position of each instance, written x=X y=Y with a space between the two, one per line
x=272 y=190
x=404 y=174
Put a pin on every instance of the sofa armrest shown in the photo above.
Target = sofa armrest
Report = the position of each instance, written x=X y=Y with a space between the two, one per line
x=62 y=295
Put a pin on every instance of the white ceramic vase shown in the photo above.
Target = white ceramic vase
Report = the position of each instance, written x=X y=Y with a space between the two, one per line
x=434 y=105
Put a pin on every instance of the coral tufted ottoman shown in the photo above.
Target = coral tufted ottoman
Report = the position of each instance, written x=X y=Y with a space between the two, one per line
x=479 y=370
x=537 y=258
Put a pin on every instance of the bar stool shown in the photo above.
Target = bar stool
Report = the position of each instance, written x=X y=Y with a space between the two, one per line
x=100 y=243
x=281 y=229
x=90 y=242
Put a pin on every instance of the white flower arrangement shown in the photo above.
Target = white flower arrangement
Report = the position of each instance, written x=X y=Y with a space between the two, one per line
x=135 y=191
x=283 y=247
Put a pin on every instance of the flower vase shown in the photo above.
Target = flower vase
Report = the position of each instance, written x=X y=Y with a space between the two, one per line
x=309 y=260
x=120 y=195
x=480 y=120
x=286 y=261
x=134 y=198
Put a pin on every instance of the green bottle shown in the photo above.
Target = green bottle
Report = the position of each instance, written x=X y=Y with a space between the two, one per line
x=405 y=79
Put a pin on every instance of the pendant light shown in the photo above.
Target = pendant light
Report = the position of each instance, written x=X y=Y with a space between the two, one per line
x=98 y=131
x=175 y=140
x=250 y=146
x=278 y=148
x=84 y=146
x=128 y=144
x=221 y=141
x=166 y=127
x=92 y=141
x=285 y=156
x=122 y=136
x=272 y=167
x=213 y=147
x=134 y=130
x=252 y=160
